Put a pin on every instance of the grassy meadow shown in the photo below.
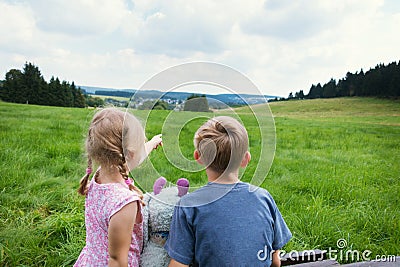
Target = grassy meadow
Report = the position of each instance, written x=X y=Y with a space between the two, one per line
x=335 y=174
x=119 y=98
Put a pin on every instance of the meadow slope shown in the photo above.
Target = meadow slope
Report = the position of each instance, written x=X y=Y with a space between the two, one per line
x=335 y=174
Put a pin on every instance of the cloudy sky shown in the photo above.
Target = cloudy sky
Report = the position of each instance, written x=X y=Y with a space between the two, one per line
x=281 y=45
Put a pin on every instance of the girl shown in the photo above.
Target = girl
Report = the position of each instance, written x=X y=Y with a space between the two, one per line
x=113 y=219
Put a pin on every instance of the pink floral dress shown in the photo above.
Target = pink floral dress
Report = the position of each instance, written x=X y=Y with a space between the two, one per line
x=102 y=202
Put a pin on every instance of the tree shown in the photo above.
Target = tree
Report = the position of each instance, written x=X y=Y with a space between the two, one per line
x=79 y=98
x=155 y=105
x=311 y=93
x=301 y=94
x=342 y=88
x=29 y=86
x=55 y=92
x=93 y=101
x=329 y=89
x=315 y=91
x=13 y=89
x=160 y=105
x=381 y=81
x=67 y=94
x=197 y=103
x=34 y=85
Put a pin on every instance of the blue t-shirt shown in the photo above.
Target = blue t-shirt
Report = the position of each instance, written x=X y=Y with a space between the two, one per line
x=226 y=225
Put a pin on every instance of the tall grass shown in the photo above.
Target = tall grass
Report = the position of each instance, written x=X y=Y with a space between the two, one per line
x=41 y=161
x=335 y=174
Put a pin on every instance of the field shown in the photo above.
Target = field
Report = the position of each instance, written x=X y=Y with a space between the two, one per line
x=335 y=174
x=118 y=98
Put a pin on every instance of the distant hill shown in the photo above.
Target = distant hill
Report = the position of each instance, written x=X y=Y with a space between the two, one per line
x=92 y=89
x=228 y=99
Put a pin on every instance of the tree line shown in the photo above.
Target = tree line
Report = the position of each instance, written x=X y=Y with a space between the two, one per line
x=28 y=86
x=381 y=81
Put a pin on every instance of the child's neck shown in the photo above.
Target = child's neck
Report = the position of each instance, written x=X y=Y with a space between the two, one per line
x=228 y=178
x=109 y=175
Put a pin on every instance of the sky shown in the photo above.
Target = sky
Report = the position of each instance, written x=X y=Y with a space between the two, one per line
x=282 y=46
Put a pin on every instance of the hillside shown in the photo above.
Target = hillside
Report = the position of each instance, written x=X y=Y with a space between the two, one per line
x=349 y=109
x=338 y=107
x=335 y=173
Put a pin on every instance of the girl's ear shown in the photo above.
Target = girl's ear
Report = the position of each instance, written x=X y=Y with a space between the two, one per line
x=196 y=156
x=246 y=159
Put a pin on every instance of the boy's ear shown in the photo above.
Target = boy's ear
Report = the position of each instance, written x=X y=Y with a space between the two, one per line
x=196 y=156
x=246 y=159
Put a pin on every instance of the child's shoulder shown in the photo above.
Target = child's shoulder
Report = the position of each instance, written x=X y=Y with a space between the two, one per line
x=214 y=191
x=111 y=190
x=260 y=192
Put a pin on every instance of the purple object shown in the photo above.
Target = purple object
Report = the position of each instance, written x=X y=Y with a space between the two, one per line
x=129 y=181
x=158 y=185
x=183 y=186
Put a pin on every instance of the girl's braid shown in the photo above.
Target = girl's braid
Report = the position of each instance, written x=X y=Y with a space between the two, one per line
x=84 y=181
x=123 y=170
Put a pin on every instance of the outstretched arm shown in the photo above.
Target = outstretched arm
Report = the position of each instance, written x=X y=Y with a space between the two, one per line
x=151 y=145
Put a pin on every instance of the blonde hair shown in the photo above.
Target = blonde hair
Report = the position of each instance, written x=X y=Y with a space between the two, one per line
x=221 y=143
x=112 y=134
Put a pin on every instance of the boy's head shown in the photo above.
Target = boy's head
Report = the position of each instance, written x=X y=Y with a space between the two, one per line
x=222 y=145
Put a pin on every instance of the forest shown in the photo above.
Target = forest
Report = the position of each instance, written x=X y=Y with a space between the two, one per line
x=28 y=86
x=381 y=81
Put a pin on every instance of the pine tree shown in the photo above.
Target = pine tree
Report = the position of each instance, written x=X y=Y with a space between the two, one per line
x=329 y=89
x=34 y=85
x=68 y=98
x=79 y=98
x=13 y=87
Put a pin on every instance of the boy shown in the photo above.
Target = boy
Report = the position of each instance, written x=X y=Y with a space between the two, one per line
x=226 y=222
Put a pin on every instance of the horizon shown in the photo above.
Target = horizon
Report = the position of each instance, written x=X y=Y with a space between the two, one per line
x=183 y=92
x=282 y=46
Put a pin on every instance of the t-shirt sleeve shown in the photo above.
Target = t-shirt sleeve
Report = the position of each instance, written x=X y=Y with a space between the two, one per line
x=282 y=234
x=123 y=199
x=180 y=242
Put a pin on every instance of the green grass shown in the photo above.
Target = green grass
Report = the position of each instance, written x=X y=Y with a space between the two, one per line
x=335 y=174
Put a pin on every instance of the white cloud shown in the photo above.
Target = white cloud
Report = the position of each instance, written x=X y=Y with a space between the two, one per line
x=290 y=20
x=79 y=17
x=297 y=20
x=179 y=28
x=17 y=26
x=281 y=45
